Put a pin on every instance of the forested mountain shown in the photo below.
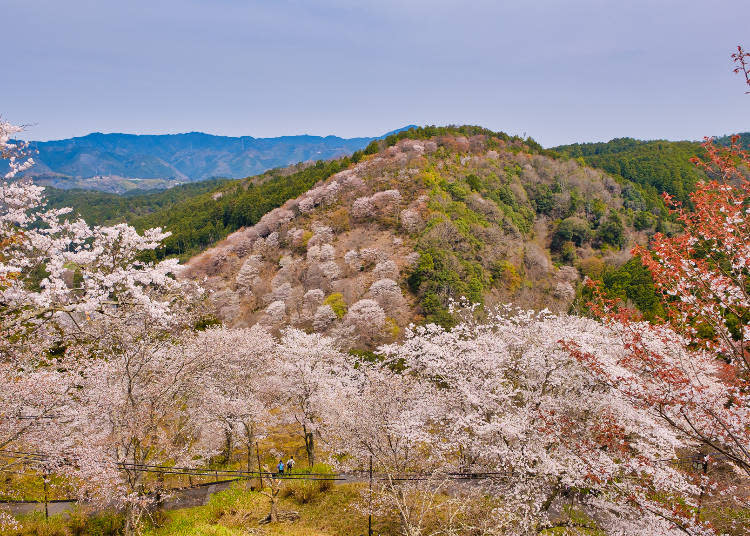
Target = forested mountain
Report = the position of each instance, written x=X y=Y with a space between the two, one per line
x=411 y=223
x=123 y=162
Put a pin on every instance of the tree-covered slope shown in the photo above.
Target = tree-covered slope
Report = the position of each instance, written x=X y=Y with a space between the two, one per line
x=202 y=213
x=103 y=207
x=414 y=222
x=659 y=165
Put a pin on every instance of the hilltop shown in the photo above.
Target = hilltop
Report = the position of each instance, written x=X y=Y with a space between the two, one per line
x=427 y=217
x=124 y=162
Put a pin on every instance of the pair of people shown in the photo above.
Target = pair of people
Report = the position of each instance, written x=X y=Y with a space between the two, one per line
x=289 y=466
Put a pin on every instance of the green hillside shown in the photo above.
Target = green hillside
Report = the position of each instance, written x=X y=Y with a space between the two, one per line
x=659 y=165
x=102 y=207
x=744 y=139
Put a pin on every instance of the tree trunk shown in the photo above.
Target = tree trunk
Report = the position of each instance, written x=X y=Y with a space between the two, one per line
x=274 y=509
x=249 y=436
x=272 y=494
x=227 y=454
x=134 y=477
x=310 y=447
x=131 y=521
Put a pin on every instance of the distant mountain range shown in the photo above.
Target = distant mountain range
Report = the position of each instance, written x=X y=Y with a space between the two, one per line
x=123 y=162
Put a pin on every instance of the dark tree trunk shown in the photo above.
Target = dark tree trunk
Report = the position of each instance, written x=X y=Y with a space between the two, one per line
x=228 y=442
x=310 y=448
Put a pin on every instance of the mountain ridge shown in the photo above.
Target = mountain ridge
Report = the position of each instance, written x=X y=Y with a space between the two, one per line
x=120 y=162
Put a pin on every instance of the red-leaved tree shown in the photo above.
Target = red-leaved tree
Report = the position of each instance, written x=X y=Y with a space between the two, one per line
x=702 y=391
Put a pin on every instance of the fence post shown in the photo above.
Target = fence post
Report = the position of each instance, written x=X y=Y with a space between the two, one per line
x=46 y=498
x=260 y=476
x=369 y=508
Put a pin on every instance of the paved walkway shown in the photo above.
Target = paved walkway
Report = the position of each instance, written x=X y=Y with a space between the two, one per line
x=197 y=495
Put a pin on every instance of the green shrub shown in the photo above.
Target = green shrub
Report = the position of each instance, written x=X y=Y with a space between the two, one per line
x=474 y=182
x=303 y=490
x=568 y=252
x=612 y=231
x=571 y=229
x=457 y=192
x=643 y=220
x=337 y=303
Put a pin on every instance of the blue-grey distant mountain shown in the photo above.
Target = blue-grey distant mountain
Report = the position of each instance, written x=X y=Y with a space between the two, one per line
x=122 y=162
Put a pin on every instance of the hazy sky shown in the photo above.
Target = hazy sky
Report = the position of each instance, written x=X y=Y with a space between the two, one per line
x=559 y=70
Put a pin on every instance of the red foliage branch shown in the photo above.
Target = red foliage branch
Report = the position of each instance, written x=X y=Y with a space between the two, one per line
x=742 y=59
x=693 y=372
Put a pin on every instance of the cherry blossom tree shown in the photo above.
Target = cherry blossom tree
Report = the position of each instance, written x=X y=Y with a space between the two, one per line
x=387 y=294
x=309 y=375
x=135 y=405
x=235 y=386
x=385 y=417
x=515 y=406
x=88 y=368
x=366 y=319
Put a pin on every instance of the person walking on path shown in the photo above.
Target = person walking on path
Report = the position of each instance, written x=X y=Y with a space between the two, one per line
x=290 y=464
x=281 y=467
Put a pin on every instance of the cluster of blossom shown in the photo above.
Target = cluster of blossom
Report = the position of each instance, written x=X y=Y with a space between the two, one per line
x=330 y=270
x=387 y=293
x=379 y=203
x=322 y=253
x=322 y=234
x=367 y=318
x=362 y=208
x=329 y=192
x=311 y=301
x=410 y=220
x=324 y=317
x=275 y=313
x=352 y=260
x=385 y=269
x=506 y=397
x=15 y=153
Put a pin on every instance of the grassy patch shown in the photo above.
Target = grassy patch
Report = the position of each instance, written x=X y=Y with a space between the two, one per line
x=236 y=511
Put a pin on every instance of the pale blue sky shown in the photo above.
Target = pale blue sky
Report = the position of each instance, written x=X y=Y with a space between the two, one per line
x=560 y=71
